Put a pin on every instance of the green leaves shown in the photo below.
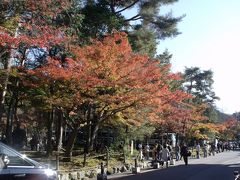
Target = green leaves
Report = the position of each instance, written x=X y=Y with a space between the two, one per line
x=199 y=83
x=139 y=18
x=99 y=20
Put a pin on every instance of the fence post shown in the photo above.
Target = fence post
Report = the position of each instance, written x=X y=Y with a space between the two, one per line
x=102 y=175
x=57 y=162
x=136 y=169
x=135 y=163
x=107 y=157
x=102 y=168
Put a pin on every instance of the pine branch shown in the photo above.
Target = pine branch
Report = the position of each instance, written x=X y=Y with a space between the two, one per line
x=134 y=18
x=131 y=5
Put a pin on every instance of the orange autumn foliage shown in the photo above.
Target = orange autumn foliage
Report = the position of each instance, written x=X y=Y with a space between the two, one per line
x=105 y=74
x=110 y=76
x=230 y=123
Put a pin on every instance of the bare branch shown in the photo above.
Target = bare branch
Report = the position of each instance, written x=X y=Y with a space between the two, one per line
x=131 y=5
x=114 y=111
x=134 y=18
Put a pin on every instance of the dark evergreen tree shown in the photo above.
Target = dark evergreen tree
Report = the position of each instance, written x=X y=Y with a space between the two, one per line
x=199 y=83
x=146 y=26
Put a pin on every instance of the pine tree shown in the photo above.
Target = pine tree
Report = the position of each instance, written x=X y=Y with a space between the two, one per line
x=145 y=27
x=199 y=83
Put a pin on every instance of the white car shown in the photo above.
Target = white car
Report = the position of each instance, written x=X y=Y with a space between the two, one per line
x=16 y=166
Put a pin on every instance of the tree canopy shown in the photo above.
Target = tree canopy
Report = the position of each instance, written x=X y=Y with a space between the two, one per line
x=87 y=65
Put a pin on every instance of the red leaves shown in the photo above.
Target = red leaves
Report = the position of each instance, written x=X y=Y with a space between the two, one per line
x=47 y=7
x=45 y=39
x=109 y=74
x=111 y=64
x=231 y=122
x=106 y=73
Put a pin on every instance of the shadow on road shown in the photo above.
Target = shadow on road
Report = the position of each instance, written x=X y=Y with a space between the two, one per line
x=190 y=172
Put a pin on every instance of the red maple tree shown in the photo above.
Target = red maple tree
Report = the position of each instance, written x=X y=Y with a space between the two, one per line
x=105 y=79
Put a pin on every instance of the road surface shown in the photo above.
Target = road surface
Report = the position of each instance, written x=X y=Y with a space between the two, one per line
x=218 y=167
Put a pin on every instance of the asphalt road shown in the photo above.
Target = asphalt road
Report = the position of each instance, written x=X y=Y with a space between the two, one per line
x=218 y=167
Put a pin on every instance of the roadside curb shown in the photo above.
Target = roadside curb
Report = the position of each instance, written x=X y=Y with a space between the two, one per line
x=144 y=170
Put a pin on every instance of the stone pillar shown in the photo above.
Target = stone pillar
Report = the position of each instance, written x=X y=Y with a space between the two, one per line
x=131 y=150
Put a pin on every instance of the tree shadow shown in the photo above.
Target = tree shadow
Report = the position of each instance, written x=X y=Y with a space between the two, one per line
x=189 y=172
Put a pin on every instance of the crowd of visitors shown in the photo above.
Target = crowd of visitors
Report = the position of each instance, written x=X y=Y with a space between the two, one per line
x=164 y=153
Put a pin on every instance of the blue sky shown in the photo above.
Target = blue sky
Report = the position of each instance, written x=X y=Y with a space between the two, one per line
x=210 y=39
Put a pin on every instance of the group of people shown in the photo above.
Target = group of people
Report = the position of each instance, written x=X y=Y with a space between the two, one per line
x=164 y=153
x=143 y=151
x=209 y=149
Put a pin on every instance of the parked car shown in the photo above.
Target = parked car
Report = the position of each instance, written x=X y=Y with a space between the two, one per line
x=16 y=166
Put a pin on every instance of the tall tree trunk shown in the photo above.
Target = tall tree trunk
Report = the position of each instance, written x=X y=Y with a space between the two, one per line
x=6 y=81
x=59 y=130
x=12 y=113
x=4 y=92
x=88 y=140
x=49 y=148
x=94 y=134
x=89 y=132
x=70 y=143
x=2 y=102
x=9 y=125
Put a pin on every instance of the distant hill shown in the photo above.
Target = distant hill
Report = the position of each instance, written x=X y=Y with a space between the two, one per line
x=220 y=116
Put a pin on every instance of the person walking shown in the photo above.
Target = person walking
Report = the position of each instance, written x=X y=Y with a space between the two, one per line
x=177 y=152
x=213 y=149
x=198 y=147
x=185 y=153
x=205 y=150
x=34 y=142
x=154 y=152
x=140 y=150
x=147 y=149
x=159 y=151
x=165 y=155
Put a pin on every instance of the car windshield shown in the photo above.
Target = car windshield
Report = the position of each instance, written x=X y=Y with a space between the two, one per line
x=16 y=158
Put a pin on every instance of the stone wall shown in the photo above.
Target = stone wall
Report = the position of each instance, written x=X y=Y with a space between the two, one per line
x=89 y=174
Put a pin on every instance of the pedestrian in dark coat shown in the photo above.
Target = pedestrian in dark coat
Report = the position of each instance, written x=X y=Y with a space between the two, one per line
x=185 y=153
x=19 y=137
